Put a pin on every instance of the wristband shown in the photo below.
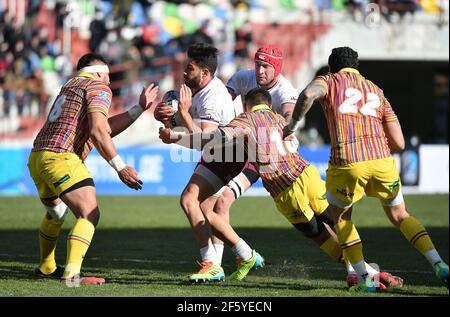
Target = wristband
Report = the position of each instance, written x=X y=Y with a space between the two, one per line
x=135 y=112
x=117 y=163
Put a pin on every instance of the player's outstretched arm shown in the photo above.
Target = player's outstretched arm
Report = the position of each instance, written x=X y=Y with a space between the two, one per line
x=304 y=102
x=199 y=141
x=100 y=134
x=122 y=121
x=189 y=140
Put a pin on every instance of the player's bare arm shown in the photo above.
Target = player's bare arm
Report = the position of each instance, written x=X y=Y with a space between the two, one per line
x=394 y=135
x=100 y=133
x=122 y=121
x=307 y=97
x=199 y=140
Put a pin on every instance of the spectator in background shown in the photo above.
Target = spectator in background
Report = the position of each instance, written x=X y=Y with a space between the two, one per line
x=243 y=41
x=98 y=31
x=201 y=35
x=357 y=5
x=400 y=8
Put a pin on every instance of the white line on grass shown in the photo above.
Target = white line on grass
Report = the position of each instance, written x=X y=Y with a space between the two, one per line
x=319 y=268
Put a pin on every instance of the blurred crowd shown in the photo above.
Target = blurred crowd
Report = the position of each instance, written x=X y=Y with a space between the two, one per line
x=144 y=41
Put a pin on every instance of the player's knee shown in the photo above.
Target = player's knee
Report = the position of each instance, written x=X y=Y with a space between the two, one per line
x=397 y=215
x=311 y=229
x=93 y=216
x=57 y=213
x=224 y=202
x=188 y=202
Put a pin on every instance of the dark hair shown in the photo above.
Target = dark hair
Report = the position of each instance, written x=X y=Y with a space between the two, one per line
x=205 y=55
x=89 y=58
x=342 y=57
x=258 y=96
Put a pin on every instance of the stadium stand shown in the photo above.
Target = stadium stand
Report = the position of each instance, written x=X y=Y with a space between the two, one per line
x=145 y=41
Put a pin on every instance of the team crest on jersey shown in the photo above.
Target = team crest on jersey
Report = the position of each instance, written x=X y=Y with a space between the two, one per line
x=103 y=95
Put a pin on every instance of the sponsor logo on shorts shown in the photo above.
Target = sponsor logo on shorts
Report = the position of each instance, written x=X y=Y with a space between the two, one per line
x=394 y=184
x=345 y=192
x=62 y=180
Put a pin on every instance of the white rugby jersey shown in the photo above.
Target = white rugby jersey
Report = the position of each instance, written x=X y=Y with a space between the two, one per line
x=245 y=80
x=213 y=104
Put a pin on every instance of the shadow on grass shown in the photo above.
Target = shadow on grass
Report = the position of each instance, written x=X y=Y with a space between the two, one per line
x=148 y=254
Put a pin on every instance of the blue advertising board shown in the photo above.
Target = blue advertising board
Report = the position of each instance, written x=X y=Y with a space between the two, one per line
x=165 y=170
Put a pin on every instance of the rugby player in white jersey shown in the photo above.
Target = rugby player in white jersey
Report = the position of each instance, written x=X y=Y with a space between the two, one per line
x=204 y=105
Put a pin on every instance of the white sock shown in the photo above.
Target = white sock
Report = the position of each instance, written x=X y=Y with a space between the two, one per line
x=372 y=270
x=243 y=250
x=361 y=270
x=208 y=254
x=350 y=268
x=219 y=252
x=433 y=257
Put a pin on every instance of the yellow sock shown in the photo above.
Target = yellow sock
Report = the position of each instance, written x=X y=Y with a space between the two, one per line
x=349 y=241
x=416 y=234
x=78 y=242
x=333 y=249
x=48 y=236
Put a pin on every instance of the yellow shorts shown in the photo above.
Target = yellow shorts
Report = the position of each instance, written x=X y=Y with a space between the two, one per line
x=304 y=198
x=54 y=173
x=375 y=178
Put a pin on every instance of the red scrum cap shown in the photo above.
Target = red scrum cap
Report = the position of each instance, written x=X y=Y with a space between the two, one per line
x=272 y=55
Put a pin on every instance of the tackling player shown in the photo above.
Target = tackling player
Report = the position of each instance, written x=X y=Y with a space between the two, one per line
x=363 y=130
x=267 y=75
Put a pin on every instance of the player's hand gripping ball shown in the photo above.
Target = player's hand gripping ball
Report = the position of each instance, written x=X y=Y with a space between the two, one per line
x=172 y=99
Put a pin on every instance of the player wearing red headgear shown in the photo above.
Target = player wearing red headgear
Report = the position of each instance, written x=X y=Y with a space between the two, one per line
x=267 y=75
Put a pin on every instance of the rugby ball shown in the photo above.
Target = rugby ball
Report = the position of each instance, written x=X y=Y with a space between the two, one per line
x=172 y=99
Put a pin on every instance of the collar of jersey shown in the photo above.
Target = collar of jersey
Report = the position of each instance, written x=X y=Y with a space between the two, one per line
x=349 y=70
x=82 y=74
x=260 y=107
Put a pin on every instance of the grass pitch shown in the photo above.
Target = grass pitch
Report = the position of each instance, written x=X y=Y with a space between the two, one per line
x=143 y=246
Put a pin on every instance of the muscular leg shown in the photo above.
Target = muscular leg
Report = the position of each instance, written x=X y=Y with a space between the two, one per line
x=221 y=227
x=196 y=192
x=83 y=203
x=234 y=189
x=349 y=240
x=416 y=234
x=48 y=233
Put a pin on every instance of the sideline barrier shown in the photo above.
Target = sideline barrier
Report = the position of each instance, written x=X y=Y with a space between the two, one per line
x=165 y=170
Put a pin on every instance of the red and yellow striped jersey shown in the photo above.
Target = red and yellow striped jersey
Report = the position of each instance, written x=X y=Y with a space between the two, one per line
x=355 y=109
x=277 y=166
x=67 y=125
